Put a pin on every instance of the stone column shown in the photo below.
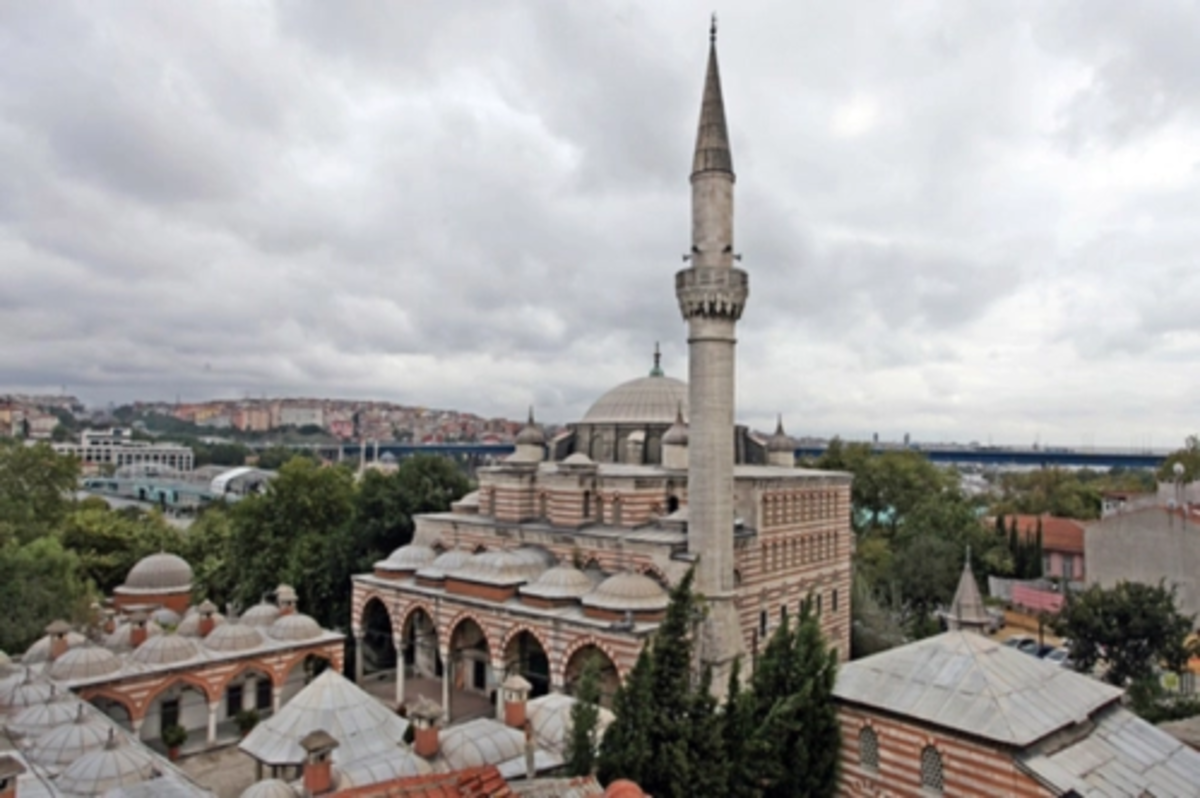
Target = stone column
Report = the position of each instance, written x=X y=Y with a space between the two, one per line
x=447 y=668
x=136 y=723
x=276 y=698
x=498 y=676
x=358 y=657
x=398 y=641
x=213 y=706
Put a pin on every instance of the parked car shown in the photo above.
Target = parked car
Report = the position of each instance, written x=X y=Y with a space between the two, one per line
x=1060 y=656
x=1021 y=643
x=996 y=619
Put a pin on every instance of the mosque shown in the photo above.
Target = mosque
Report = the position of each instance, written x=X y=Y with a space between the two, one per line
x=568 y=548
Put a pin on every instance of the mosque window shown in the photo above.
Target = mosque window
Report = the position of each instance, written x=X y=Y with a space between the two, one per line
x=616 y=512
x=833 y=601
x=818 y=604
x=587 y=504
x=932 y=777
x=762 y=623
x=783 y=614
x=672 y=504
x=868 y=748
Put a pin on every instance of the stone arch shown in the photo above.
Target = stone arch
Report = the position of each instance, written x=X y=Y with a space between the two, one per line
x=247 y=667
x=610 y=672
x=134 y=710
x=655 y=573
x=378 y=630
x=412 y=609
x=367 y=598
x=470 y=662
x=584 y=642
x=466 y=615
x=260 y=695
x=532 y=663
x=182 y=679
x=421 y=647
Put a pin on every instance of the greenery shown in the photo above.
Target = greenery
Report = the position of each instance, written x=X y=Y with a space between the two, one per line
x=174 y=736
x=1129 y=630
x=777 y=738
x=1188 y=457
x=246 y=719
x=1025 y=549
x=585 y=714
x=1063 y=493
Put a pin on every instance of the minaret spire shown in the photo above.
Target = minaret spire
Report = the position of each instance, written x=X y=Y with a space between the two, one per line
x=657 y=370
x=712 y=135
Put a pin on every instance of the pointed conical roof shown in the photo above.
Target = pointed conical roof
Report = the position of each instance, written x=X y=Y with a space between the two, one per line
x=780 y=442
x=967 y=610
x=712 y=137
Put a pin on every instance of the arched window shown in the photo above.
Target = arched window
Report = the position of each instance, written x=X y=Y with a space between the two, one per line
x=868 y=748
x=931 y=770
x=833 y=601
x=587 y=505
x=762 y=623
x=672 y=504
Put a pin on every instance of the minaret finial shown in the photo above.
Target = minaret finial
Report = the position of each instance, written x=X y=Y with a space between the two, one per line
x=779 y=424
x=531 y=415
x=712 y=30
x=657 y=370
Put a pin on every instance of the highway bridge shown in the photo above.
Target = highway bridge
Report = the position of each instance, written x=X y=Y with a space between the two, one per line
x=983 y=455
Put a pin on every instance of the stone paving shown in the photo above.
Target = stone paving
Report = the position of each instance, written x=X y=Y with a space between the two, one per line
x=225 y=771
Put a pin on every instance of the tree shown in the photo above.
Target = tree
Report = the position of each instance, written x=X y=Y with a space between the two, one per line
x=625 y=751
x=738 y=729
x=1188 y=457
x=585 y=714
x=39 y=582
x=206 y=547
x=709 y=765
x=35 y=490
x=274 y=457
x=1129 y=629
x=110 y=542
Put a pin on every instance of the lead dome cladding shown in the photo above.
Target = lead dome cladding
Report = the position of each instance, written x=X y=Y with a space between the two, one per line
x=160 y=572
x=233 y=637
x=263 y=614
x=628 y=591
x=115 y=765
x=646 y=400
x=295 y=626
x=165 y=650
x=84 y=662
x=270 y=788
x=62 y=745
x=40 y=651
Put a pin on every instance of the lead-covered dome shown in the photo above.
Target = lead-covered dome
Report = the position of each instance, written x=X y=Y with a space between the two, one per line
x=115 y=765
x=84 y=662
x=270 y=788
x=560 y=582
x=628 y=591
x=647 y=400
x=160 y=572
x=60 y=746
x=449 y=561
x=295 y=626
x=40 y=651
x=408 y=558
x=119 y=639
x=40 y=718
x=233 y=637
x=190 y=625
x=503 y=567
x=263 y=614
x=166 y=650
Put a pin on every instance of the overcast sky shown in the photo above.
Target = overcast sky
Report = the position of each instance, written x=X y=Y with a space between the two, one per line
x=971 y=221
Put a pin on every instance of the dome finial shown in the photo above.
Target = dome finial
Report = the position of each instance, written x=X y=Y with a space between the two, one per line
x=779 y=424
x=712 y=30
x=531 y=414
x=657 y=370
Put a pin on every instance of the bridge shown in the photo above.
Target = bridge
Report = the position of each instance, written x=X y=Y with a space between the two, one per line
x=983 y=455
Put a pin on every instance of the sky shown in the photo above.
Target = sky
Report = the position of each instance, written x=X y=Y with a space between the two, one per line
x=961 y=221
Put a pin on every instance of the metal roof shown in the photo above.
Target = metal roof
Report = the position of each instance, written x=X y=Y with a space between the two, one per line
x=972 y=684
x=1123 y=755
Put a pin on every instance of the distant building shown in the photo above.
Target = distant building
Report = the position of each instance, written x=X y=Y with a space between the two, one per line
x=1062 y=544
x=301 y=416
x=116 y=447
x=1147 y=545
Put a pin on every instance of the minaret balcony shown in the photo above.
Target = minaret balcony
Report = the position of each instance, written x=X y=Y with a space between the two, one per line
x=712 y=292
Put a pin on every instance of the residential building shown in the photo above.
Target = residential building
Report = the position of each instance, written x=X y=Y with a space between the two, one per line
x=1148 y=545
x=116 y=447
x=1062 y=544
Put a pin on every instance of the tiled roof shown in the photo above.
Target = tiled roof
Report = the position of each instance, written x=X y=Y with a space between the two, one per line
x=480 y=782
x=1058 y=534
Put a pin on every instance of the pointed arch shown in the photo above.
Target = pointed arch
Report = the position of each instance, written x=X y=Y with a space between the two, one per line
x=250 y=666
x=465 y=615
x=360 y=616
x=133 y=708
x=581 y=643
x=186 y=680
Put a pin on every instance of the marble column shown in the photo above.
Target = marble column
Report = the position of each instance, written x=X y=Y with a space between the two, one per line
x=399 y=643
x=213 y=707
x=358 y=659
x=447 y=669
x=498 y=676
x=276 y=698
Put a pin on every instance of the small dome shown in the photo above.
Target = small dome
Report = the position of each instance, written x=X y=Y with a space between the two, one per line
x=531 y=434
x=190 y=625
x=164 y=616
x=677 y=435
x=119 y=639
x=263 y=614
x=40 y=718
x=408 y=558
x=780 y=442
x=160 y=572
x=373 y=770
x=270 y=788
x=40 y=651
x=578 y=459
x=560 y=582
x=63 y=744
x=116 y=764
x=628 y=591
x=232 y=637
x=646 y=400
x=295 y=626
x=536 y=556
x=447 y=562
x=165 y=650
x=24 y=690
x=500 y=567
x=85 y=662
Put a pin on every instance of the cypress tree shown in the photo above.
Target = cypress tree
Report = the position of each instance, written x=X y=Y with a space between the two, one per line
x=738 y=730
x=581 y=742
x=625 y=750
x=1038 y=553
x=1000 y=530
x=671 y=677
x=706 y=745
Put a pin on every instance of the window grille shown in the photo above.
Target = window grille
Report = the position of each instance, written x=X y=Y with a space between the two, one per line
x=931 y=770
x=868 y=748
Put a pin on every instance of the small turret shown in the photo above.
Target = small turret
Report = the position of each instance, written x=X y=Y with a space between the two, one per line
x=781 y=449
x=967 y=612
x=531 y=442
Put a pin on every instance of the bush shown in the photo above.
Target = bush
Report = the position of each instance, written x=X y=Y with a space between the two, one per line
x=174 y=736
x=247 y=719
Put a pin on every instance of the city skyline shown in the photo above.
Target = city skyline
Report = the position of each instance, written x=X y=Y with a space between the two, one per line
x=963 y=223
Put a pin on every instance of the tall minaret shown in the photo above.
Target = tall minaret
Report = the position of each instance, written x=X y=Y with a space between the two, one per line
x=711 y=296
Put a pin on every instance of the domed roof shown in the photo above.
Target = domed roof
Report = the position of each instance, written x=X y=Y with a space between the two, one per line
x=190 y=625
x=270 y=788
x=535 y=556
x=677 y=435
x=531 y=434
x=233 y=637
x=560 y=582
x=501 y=567
x=84 y=662
x=383 y=767
x=165 y=616
x=263 y=614
x=118 y=640
x=34 y=720
x=166 y=650
x=116 y=764
x=159 y=572
x=66 y=742
x=24 y=690
x=408 y=558
x=647 y=400
x=628 y=591
x=295 y=626
x=447 y=562
x=40 y=651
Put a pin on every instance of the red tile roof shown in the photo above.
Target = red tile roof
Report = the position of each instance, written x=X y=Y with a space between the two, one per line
x=479 y=782
x=1058 y=534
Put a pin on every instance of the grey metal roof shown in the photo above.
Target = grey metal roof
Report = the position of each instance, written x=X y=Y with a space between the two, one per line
x=647 y=400
x=361 y=725
x=1123 y=755
x=972 y=684
x=482 y=741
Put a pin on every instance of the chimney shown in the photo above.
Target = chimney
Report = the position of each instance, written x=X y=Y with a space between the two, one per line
x=516 y=692
x=318 y=763
x=207 y=622
x=424 y=715
x=285 y=597
x=58 y=638
x=137 y=628
x=10 y=770
x=110 y=621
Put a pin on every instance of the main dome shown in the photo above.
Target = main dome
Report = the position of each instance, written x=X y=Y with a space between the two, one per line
x=647 y=400
x=160 y=572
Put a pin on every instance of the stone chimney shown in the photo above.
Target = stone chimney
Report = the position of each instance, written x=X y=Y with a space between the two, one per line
x=206 y=609
x=10 y=770
x=516 y=692
x=58 y=638
x=137 y=628
x=285 y=597
x=110 y=620
x=318 y=762
x=424 y=715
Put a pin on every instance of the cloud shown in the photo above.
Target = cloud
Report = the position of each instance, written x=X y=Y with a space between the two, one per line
x=959 y=221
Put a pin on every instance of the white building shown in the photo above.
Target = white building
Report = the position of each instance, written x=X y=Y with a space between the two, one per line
x=116 y=447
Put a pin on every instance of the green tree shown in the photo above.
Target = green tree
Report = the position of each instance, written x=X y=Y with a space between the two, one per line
x=1129 y=629
x=39 y=582
x=36 y=484
x=1188 y=457
x=709 y=766
x=274 y=457
x=206 y=547
x=110 y=542
x=625 y=751
x=738 y=730
x=585 y=715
